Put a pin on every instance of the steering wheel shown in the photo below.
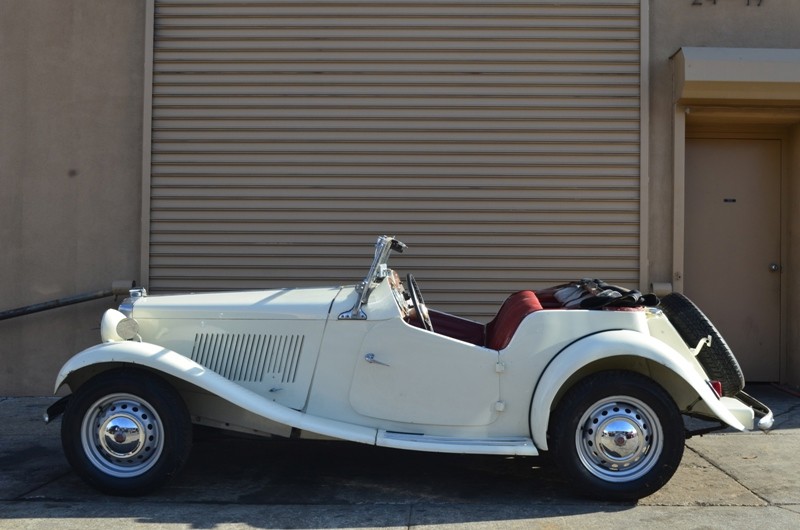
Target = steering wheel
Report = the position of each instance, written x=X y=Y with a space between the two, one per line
x=419 y=303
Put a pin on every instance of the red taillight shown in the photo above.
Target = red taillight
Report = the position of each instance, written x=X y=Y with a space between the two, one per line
x=716 y=386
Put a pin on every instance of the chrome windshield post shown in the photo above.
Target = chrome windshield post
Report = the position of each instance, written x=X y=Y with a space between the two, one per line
x=377 y=271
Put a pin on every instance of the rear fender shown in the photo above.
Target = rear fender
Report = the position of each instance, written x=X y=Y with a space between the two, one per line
x=610 y=345
x=170 y=363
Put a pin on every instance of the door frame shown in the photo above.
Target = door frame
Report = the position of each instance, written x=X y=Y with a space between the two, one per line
x=737 y=129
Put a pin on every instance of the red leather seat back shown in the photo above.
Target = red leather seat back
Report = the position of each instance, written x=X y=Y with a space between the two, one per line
x=516 y=307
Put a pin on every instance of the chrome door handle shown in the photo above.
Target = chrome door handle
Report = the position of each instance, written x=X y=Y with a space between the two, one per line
x=370 y=358
x=774 y=267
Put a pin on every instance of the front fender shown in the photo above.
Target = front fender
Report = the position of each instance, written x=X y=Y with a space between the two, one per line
x=608 y=345
x=176 y=365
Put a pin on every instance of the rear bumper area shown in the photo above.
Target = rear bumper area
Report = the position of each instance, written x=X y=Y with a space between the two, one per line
x=749 y=412
x=763 y=417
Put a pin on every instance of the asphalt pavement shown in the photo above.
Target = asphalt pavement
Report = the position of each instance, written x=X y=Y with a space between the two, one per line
x=726 y=480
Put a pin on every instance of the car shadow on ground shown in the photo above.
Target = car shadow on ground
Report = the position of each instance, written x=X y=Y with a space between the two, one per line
x=254 y=482
x=248 y=470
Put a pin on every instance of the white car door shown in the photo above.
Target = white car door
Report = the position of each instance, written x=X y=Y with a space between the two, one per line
x=406 y=374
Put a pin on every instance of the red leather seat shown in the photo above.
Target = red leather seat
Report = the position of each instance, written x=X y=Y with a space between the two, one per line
x=516 y=307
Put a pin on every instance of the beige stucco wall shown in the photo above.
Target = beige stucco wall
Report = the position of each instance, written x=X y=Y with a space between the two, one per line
x=70 y=169
x=674 y=24
x=734 y=24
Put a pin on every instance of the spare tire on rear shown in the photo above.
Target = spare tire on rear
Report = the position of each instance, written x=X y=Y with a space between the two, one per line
x=717 y=360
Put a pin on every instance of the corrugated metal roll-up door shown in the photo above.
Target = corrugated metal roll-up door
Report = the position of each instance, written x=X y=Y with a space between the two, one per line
x=500 y=140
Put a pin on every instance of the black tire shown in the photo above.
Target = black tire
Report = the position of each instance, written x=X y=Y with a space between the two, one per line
x=618 y=436
x=126 y=432
x=692 y=325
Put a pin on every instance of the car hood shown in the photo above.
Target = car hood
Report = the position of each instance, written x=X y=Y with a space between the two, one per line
x=278 y=304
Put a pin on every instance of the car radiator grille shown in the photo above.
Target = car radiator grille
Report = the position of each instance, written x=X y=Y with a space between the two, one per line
x=249 y=357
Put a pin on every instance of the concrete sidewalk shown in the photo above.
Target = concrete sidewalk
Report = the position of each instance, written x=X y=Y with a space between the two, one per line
x=732 y=480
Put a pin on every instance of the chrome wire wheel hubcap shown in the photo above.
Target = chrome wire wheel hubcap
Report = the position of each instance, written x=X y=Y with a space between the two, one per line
x=122 y=435
x=619 y=439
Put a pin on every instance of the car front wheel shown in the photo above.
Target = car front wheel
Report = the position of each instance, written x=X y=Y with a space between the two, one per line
x=126 y=432
x=617 y=435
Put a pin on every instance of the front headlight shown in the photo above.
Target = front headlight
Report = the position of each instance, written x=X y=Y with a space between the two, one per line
x=116 y=327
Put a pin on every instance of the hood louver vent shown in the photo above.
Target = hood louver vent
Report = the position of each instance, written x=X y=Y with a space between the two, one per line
x=248 y=357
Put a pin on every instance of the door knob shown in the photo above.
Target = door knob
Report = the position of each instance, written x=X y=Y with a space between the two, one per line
x=774 y=267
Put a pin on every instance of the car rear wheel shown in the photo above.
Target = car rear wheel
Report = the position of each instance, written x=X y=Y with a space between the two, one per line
x=126 y=432
x=617 y=436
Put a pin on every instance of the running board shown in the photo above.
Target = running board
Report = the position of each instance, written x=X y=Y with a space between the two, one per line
x=511 y=445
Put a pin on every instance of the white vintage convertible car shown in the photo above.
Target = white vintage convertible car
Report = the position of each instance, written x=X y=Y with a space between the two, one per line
x=598 y=376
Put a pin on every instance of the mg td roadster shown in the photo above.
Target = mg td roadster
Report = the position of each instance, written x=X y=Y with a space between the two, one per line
x=598 y=376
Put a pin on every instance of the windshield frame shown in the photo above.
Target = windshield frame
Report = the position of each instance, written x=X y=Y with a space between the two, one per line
x=377 y=272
